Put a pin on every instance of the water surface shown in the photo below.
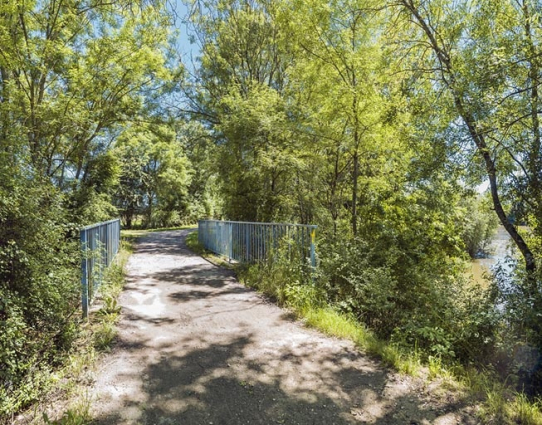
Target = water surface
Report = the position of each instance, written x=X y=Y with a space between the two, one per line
x=499 y=249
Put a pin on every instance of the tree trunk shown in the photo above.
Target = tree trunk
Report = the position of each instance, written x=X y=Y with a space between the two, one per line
x=355 y=175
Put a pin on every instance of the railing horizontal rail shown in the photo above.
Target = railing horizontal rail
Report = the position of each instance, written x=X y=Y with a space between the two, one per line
x=245 y=241
x=103 y=223
x=312 y=226
x=100 y=243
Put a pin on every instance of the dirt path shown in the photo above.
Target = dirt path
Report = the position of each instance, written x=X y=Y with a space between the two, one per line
x=196 y=347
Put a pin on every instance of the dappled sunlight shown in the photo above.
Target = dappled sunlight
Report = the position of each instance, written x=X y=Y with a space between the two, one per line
x=196 y=347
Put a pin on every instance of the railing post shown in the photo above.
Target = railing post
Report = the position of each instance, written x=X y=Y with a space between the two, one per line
x=97 y=257
x=313 y=251
x=107 y=247
x=84 y=273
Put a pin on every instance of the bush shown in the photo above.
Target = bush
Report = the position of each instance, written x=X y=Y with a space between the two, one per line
x=39 y=287
x=520 y=299
x=415 y=303
x=478 y=226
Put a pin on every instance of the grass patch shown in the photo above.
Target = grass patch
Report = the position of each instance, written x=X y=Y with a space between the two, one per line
x=77 y=414
x=333 y=323
x=106 y=312
x=524 y=411
x=193 y=244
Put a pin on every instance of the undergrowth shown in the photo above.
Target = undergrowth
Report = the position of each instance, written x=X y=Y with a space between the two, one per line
x=96 y=335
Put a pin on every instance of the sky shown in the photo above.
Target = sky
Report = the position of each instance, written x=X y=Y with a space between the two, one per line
x=187 y=51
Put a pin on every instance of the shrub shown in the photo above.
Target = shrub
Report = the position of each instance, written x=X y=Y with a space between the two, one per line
x=420 y=303
x=520 y=299
x=478 y=225
x=39 y=287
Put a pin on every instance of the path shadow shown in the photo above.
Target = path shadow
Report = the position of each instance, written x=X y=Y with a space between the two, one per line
x=190 y=295
x=198 y=274
x=215 y=375
x=216 y=383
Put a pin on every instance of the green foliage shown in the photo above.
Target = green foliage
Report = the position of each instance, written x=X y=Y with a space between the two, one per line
x=71 y=73
x=479 y=225
x=90 y=200
x=521 y=340
x=423 y=306
x=154 y=178
x=39 y=287
x=192 y=242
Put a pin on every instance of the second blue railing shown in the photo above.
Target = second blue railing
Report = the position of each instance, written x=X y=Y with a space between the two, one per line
x=249 y=241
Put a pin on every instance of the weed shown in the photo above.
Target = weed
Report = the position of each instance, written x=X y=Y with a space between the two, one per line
x=193 y=244
x=523 y=411
x=435 y=367
x=77 y=414
x=110 y=308
x=104 y=336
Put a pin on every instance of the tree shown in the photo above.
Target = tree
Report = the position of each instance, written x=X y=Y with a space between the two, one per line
x=485 y=57
x=155 y=175
x=71 y=72
x=241 y=83
x=338 y=45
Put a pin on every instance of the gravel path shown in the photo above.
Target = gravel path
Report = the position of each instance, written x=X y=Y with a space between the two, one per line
x=196 y=347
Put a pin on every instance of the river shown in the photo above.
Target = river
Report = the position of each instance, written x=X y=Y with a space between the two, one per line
x=500 y=247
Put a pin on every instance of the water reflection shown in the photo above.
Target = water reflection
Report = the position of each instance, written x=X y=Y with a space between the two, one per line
x=500 y=248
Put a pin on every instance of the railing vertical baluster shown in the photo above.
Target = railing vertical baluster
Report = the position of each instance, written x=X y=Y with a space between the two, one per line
x=247 y=238
x=313 y=250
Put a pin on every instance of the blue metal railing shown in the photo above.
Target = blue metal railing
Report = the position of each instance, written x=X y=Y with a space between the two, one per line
x=248 y=242
x=100 y=243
